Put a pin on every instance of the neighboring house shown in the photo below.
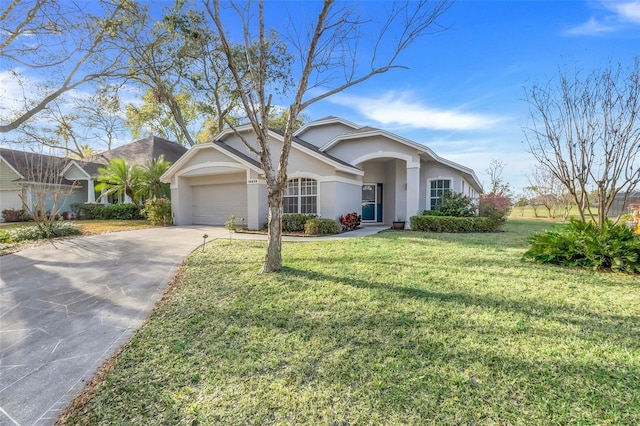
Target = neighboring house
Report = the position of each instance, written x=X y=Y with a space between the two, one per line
x=34 y=180
x=335 y=167
x=619 y=207
x=25 y=176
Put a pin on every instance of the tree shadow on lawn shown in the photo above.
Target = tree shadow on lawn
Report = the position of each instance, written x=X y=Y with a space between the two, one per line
x=623 y=330
x=373 y=353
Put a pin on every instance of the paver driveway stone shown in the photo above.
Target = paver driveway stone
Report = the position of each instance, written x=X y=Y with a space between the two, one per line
x=67 y=306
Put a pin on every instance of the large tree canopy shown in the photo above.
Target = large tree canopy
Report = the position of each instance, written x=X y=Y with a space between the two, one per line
x=52 y=47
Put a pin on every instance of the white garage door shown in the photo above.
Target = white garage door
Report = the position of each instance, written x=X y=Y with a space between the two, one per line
x=213 y=204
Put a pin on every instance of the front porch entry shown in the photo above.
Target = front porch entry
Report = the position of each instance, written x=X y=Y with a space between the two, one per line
x=372 y=202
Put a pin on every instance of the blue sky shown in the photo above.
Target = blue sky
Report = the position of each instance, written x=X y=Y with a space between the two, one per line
x=463 y=95
x=463 y=92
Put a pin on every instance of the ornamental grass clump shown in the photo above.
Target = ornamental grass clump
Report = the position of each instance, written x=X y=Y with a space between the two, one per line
x=584 y=244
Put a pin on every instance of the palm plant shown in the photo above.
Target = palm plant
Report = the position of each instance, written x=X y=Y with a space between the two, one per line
x=118 y=177
x=150 y=185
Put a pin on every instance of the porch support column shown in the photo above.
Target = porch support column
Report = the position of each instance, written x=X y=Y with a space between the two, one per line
x=91 y=192
x=256 y=200
x=413 y=190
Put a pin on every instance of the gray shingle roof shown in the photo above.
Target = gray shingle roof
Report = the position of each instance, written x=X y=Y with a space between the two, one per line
x=35 y=167
x=141 y=151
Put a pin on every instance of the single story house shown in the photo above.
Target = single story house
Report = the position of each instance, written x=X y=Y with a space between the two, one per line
x=31 y=180
x=335 y=167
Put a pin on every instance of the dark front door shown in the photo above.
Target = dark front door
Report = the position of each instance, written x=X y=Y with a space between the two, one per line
x=369 y=202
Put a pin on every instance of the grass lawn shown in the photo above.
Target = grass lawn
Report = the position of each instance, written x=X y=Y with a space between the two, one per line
x=398 y=328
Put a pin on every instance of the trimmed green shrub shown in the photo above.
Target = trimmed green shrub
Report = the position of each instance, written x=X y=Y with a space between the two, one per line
x=295 y=222
x=456 y=204
x=454 y=224
x=586 y=245
x=317 y=226
x=87 y=211
x=13 y=215
x=54 y=229
x=432 y=213
x=158 y=211
x=125 y=211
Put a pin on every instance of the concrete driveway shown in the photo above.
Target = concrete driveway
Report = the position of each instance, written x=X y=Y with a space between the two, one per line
x=67 y=306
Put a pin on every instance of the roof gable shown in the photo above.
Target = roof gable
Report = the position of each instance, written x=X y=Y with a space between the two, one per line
x=298 y=144
x=35 y=167
x=366 y=132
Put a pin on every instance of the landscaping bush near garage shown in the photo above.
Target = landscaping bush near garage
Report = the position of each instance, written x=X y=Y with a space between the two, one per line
x=317 y=226
x=610 y=247
x=295 y=222
x=125 y=211
x=454 y=224
x=158 y=211
x=14 y=215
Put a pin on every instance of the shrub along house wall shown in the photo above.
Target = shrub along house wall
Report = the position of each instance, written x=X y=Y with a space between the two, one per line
x=454 y=224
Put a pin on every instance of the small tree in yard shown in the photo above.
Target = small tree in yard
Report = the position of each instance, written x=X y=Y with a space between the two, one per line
x=585 y=131
x=327 y=51
x=47 y=189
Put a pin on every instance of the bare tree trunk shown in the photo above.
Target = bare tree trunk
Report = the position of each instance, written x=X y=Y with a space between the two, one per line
x=273 y=258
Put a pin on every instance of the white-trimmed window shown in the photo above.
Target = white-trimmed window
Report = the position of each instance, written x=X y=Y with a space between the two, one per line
x=437 y=188
x=301 y=196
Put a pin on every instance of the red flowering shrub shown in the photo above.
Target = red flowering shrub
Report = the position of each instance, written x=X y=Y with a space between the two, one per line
x=350 y=221
x=496 y=207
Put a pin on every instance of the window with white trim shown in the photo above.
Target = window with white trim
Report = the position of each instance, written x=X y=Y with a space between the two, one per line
x=301 y=196
x=437 y=188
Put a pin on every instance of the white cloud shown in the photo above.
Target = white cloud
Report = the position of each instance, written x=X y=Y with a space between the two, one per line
x=617 y=16
x=627 y=11
x=398 y=109
x=591 y=27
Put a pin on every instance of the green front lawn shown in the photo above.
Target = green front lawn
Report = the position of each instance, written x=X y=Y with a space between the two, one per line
x=398 y=328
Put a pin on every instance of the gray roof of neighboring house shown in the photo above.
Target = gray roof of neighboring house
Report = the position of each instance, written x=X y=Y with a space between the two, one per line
x=138 y=152
x=141 y=151
x=35 y=167
x=634 y=194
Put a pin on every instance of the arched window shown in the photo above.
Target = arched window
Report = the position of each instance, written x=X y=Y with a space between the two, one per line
x=301 y=196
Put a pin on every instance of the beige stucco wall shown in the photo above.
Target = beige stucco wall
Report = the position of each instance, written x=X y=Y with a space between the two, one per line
x=338 y=198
